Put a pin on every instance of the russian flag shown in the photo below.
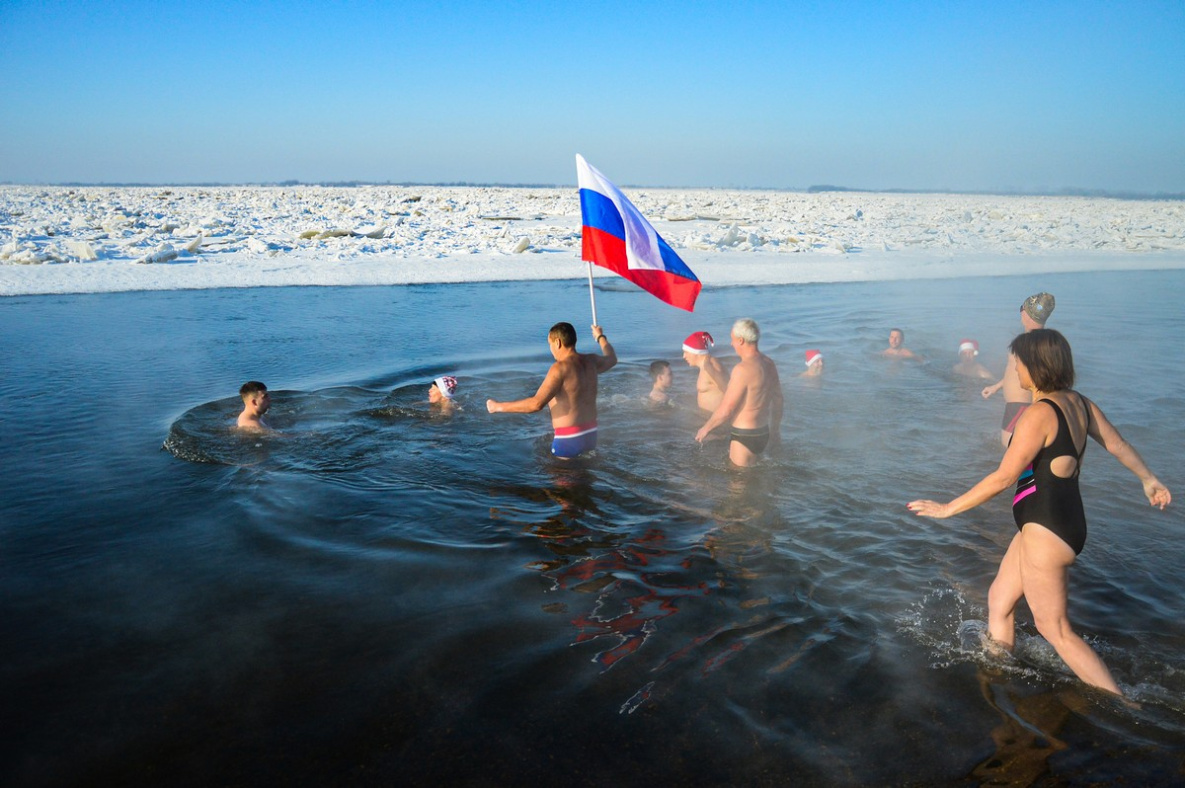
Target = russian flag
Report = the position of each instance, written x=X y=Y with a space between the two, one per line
x=616 y=236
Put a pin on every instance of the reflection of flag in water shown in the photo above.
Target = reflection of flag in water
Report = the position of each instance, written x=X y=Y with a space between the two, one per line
x=616 y=236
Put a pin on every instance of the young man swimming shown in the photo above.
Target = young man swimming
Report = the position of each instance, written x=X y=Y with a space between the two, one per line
x=660 y=373
x=897 y=348
x=441 y=393
x=569 y=390
x=256 y=402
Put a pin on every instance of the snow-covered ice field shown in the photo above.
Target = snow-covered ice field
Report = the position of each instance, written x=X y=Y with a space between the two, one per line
x=57 y=239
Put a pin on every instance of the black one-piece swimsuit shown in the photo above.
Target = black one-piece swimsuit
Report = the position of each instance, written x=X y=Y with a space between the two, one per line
x=1050 y=500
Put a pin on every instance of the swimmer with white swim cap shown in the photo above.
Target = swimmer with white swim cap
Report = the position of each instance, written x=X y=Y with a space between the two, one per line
x=256 y=402
x=441 y=393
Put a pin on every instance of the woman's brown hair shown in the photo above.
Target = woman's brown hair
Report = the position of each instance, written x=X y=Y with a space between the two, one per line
x=1047 y=355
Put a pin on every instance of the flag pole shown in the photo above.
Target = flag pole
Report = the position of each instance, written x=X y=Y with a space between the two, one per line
x=591 y=298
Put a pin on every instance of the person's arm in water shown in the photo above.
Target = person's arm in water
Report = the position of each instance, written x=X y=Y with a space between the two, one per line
x=1031 y=433
x=547 y=391
x=1109 y=438
x=608 y=359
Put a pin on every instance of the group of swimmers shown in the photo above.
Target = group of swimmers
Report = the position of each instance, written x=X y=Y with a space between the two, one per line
x=1044 y=431
x=257 y=401
x=748 y=399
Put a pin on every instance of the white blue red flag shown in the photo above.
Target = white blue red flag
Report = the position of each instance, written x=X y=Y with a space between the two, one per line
x=616 y=236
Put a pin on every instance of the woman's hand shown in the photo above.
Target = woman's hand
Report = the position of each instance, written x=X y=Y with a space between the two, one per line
x=1158 y=495
x=929 y=509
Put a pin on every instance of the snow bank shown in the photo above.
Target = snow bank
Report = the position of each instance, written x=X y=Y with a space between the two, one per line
x=104 y=239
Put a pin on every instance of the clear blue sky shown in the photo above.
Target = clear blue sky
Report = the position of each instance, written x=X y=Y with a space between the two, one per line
x=919 y=95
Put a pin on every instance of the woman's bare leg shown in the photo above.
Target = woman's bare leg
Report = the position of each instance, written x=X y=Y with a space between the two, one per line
x=1005 y=592
x=1045 y=560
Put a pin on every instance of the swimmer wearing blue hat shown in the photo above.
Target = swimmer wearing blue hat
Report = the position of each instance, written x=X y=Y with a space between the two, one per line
x=569 y=390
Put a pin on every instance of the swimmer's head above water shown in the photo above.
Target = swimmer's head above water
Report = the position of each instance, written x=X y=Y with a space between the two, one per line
x=814 y=363
x=442 y=390
x=660 y=374
x=256 y=402
x=1037 y=308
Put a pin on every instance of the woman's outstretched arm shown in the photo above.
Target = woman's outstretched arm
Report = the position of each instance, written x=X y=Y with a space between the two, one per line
x=1105 y=433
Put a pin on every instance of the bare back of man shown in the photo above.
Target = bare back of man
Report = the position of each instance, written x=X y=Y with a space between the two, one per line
x=753 y=401
x=572 y=384
x=569 y=390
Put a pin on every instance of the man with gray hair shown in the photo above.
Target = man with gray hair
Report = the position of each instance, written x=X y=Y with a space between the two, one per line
x=1035 y=310
x=752 y=402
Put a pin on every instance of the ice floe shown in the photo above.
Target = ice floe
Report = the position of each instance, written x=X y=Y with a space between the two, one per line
x=84 y=239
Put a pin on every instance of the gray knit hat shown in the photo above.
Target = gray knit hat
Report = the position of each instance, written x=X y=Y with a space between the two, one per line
x=1039 y=307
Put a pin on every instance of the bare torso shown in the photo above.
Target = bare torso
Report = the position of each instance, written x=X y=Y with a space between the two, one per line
x=576 y=401
x=759 y=379
x=707 y=394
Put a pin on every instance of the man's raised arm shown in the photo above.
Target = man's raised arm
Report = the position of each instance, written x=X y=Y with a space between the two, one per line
x=608 y=360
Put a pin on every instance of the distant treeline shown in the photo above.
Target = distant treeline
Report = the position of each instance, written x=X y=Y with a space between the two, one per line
x=1067 y=192
x=817 y=189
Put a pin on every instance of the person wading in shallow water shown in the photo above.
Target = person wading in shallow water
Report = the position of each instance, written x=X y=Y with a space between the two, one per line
x=752 y=402
x=711 y=381
x=1035 y=310
x=1043 y=460
x=569 y=389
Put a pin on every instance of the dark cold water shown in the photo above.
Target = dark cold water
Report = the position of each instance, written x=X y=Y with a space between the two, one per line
x=380 y=595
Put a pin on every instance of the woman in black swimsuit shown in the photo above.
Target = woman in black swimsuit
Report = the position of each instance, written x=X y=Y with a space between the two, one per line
x=1043 y=460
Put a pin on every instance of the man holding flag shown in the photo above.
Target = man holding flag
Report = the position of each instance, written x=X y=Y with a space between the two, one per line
x=616 y=236
x=570 y=390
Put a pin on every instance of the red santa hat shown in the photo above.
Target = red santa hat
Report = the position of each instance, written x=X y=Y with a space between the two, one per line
x=698 y=343
x=812 y=356
x=969 y=344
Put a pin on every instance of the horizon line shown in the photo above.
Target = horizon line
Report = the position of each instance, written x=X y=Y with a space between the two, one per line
x=1069 y=191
